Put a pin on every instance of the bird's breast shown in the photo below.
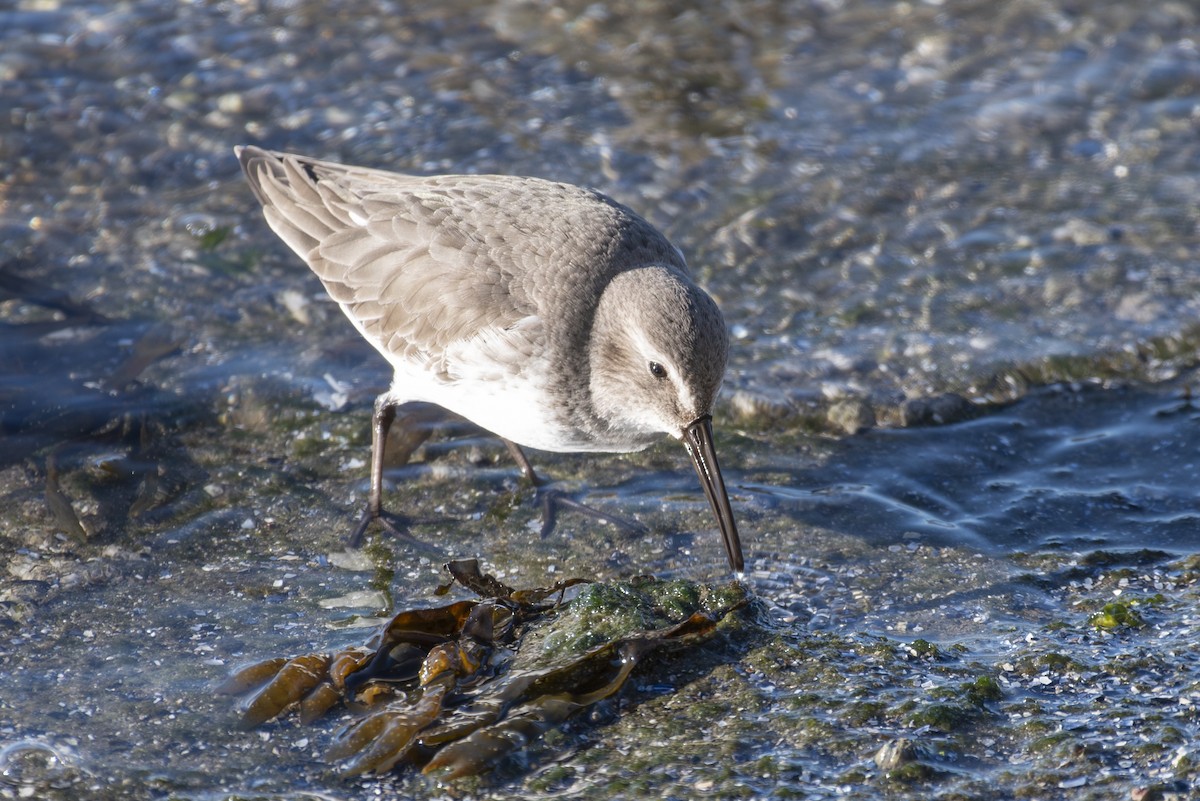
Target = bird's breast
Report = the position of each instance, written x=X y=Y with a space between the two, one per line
x=523 y=402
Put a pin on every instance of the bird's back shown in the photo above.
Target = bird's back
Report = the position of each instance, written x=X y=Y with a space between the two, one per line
x=420 y=263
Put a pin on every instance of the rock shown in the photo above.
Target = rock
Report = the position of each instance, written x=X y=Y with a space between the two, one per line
x=754 y=407
x=896 y=754
x=939 y=410
x=852 y=415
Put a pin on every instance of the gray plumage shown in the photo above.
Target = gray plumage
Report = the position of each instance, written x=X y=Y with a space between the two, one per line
x=533 y=308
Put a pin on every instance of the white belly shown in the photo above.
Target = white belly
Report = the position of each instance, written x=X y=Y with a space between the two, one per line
x=518 y=407
x=518 y=411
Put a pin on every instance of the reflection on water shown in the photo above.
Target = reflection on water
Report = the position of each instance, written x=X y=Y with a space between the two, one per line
x=73 y=405
x=1072 y=470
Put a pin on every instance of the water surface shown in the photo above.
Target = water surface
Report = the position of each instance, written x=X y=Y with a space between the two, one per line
x=955 y=243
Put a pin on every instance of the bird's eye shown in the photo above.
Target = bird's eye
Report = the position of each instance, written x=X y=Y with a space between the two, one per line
x=657 y=370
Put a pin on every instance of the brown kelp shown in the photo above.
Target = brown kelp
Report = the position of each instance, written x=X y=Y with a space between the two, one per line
x=455 y=688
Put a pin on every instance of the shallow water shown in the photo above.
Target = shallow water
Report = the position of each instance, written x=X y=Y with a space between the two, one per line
x=955 y=243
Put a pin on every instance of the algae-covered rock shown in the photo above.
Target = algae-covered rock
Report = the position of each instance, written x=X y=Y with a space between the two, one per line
x=456 y=688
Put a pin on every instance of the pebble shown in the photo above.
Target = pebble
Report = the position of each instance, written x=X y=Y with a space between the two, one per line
x=853 y=416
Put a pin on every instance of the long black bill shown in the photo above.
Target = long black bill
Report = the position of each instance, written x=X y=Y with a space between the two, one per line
x=698 y=439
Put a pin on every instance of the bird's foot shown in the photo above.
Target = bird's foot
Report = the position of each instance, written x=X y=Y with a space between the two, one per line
x=392 y=523
x=553 y=500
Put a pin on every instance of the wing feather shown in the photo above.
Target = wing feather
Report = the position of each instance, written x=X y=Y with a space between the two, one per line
x=444 y=269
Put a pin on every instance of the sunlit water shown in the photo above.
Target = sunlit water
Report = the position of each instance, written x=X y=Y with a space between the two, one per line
x=892 y=202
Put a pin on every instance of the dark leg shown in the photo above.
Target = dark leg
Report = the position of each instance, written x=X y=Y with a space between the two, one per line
x=553 y=500
x=522 y=461
x=381 y=423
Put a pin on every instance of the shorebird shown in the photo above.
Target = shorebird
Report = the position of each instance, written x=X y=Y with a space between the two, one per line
x=545 y=313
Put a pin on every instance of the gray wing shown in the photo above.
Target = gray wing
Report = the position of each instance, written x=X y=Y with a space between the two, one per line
x=386 y=249
x=423 y=263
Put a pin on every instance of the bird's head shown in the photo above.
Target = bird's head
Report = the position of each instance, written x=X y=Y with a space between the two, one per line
x=657 y=358
x=658 y=352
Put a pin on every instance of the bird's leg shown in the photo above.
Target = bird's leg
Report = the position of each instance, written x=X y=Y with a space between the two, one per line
x=381 y=423
x=518 y=455
x=553 y=500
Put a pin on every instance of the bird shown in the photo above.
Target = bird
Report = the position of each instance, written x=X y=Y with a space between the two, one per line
x=546 y=313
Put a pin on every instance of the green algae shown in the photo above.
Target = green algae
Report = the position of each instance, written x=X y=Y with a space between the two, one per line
x=601 y=612
x=983 y=690
x=1117 y=616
